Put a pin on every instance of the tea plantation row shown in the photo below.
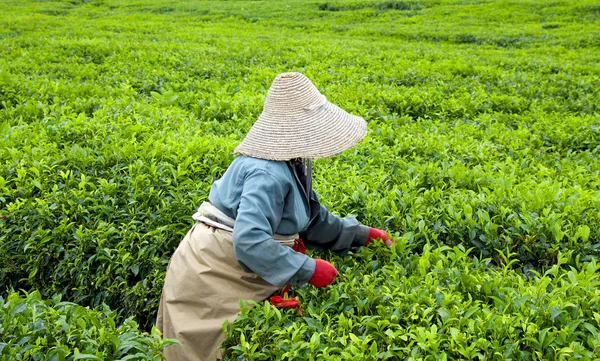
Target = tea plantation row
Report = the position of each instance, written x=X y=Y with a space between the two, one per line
x=34 y=329
x=484 y=135
x=442 y=304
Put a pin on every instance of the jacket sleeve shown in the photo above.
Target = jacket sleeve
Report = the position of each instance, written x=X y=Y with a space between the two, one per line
x=328 y=232
x=259 y=213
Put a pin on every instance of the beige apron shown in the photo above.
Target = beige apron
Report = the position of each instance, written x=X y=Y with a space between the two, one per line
x=202 y=289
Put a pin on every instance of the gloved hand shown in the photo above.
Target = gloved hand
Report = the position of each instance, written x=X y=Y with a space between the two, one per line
x=324 y=274
x=375 y=233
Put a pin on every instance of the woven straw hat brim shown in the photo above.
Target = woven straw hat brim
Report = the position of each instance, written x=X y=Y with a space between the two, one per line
x=298 y=122
x=323 y=133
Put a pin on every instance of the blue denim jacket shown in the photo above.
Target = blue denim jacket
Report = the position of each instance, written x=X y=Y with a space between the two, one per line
x=266 y=198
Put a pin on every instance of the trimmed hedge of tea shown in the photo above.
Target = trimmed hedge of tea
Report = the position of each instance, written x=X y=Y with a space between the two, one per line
x=34 y=329
x=444 y=304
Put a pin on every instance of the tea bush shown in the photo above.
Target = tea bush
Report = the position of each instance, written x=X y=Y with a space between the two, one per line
x=442 y=304
x=484 y=133
x=34 y=329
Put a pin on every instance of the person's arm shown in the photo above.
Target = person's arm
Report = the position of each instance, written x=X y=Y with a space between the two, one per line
x=258 y=216
x=327 y=231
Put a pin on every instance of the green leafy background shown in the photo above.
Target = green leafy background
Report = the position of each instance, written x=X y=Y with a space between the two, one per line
x=481 y=157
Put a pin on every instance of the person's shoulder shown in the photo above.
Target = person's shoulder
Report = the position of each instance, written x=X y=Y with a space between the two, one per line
x=258 y=166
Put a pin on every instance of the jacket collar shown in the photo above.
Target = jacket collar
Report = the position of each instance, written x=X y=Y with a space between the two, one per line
x=303 y=170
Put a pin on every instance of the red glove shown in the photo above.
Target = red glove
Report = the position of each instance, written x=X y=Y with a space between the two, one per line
x=324 y=274
x=375 y=233
x=284 y=302
x=281 y=302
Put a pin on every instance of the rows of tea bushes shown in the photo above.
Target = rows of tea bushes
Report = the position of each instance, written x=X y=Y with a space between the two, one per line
x=484 y=133
x=444 y=304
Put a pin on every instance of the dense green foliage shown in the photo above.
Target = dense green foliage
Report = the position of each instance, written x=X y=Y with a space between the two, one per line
x=442 y=304
x=484 y=133
x=32 y=329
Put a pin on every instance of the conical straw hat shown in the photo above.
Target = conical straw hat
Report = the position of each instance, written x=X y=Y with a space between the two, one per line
x=298 y=122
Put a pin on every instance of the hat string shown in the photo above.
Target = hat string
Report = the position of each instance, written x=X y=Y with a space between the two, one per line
x=318 y=105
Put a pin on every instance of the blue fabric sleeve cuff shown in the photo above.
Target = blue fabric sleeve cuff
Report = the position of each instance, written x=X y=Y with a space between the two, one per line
x=305 y=273
x=361 y=235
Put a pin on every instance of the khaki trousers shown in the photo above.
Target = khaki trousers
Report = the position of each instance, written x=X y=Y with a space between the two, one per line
x=202 y=289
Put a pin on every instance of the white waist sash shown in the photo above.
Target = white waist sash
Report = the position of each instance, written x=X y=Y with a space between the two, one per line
x=212 y=216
